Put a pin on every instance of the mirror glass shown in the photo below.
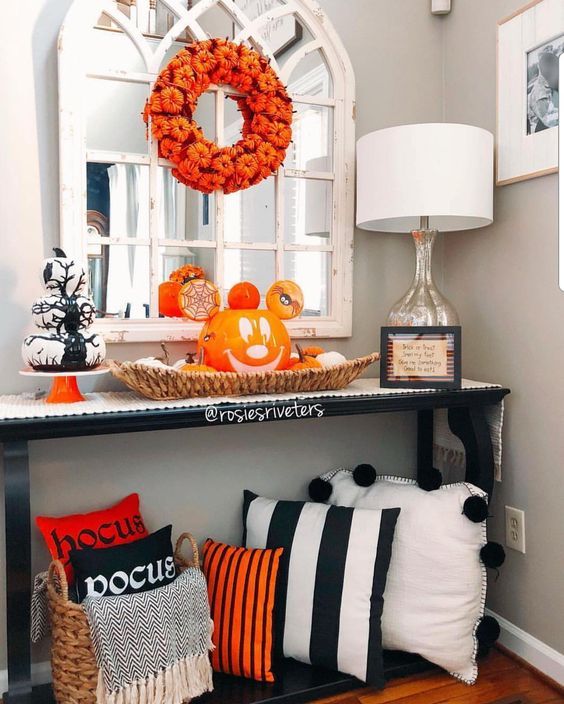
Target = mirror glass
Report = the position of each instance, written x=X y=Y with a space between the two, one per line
x=250 y=214
x=308 y=205
x=313 y=271
x=114 y=116
x=142 y=224
x=119 y=280
x=311 y=148
x=249 y=265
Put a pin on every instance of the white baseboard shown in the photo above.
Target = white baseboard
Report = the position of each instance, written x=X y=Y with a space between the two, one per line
x=541 y=656
x=40 y=674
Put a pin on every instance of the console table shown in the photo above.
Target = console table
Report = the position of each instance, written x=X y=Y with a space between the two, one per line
x=22 y=422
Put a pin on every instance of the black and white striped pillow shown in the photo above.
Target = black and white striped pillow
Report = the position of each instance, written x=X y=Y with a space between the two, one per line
x=331 y=580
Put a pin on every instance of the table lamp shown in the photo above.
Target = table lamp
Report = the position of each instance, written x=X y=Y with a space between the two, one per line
x=424 y=178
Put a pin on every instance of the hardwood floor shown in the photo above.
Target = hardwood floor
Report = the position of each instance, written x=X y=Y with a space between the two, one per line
x=501 y=678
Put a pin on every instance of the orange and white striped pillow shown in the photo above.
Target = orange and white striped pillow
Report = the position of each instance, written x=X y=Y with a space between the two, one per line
x=241 y=590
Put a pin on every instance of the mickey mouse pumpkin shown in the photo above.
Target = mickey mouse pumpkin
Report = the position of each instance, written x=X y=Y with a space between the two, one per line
x=249 y=339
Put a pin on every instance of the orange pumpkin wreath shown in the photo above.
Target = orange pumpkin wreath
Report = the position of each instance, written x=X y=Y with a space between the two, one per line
x=265 y=105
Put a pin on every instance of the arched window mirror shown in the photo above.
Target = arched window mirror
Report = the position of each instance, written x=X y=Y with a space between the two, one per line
x=132 y=223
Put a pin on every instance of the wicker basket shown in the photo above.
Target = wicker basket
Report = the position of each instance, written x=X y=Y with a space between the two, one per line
x=74 y=669
x=163 y=384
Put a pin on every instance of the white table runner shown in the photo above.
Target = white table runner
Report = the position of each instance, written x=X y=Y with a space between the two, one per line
x=448 y=450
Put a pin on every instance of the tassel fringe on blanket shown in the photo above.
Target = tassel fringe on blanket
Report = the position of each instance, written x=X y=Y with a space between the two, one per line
x=181 y=682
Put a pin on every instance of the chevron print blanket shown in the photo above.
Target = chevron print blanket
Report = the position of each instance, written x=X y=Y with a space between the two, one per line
x=152 y=647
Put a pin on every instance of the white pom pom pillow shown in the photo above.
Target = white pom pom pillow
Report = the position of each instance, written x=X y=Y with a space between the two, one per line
x=436 y=587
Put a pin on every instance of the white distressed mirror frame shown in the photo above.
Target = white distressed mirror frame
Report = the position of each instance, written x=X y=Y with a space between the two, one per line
x=80 y=19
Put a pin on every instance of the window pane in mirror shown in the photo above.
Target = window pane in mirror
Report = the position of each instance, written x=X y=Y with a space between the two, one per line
x=205 y=115
x=114 y=120
x=172 y=258
x=233 y=121
x=285 y=35
x=218 y=22
x=312 y=271
x=119 y=193
x=312 y=77
x=311 y=148
x=119 y=280
x=111 y=49
x=308 y=208
x=185 y=214
x=250 y=214
x=249 y=265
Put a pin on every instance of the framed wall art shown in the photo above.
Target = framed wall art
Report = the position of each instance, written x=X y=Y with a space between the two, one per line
x=420 y=357
x=530 y=43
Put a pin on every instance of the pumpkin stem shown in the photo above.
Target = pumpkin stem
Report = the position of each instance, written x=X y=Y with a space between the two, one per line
x=190 y=357
x=201 y=356
x=300 y=352
x=59 y=252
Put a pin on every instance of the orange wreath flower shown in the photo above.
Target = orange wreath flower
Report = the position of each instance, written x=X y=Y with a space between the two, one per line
x=266 y=109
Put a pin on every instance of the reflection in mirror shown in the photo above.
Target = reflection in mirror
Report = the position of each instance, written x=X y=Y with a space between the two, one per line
x=185 y=214
x=283 y=35
x=120 y=192
x=217 y=22
x=250 y=214
x=312 y=139
x=249 y=265
x=119 y=280
x=308 y=207
x=312 y=77
x=111 y=49
x=312 y=271
x=205 y=115
x=114 y=119
x=172 y=258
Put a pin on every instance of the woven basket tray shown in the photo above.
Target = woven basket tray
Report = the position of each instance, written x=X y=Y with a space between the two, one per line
x=75 y=673
x=171 y=385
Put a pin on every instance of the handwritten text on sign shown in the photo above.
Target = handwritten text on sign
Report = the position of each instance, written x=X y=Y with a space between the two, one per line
x=426 y=358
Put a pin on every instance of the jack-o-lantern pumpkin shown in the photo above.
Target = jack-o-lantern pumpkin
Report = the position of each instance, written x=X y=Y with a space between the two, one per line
x=245 y=340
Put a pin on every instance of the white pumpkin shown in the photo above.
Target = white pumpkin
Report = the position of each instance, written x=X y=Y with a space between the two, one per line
x=64 y=275
x=331 y=359
x=53 y=312
x=62 y=352
x=152 y=362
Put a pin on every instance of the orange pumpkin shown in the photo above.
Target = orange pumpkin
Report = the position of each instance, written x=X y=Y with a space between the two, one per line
x=313 y=351
x=305 y=361
x=285 y=299
x=245 y=341
x=168 y=299
x=244 y=295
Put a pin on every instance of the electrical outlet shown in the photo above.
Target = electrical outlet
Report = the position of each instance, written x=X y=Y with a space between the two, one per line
x=515 y=528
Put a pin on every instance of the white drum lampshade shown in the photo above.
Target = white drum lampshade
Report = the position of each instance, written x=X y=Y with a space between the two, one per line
x=439 y=170
x=424 y=178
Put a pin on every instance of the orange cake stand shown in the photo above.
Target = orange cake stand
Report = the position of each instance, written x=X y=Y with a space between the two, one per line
x=64 y=388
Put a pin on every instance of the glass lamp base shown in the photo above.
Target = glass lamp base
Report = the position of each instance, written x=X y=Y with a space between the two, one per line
x=423 y=304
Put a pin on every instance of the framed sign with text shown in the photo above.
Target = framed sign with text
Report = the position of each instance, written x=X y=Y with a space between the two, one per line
x=420 y=357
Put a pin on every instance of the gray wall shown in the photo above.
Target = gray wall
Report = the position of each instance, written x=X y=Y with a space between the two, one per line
x=503 y=279
x=194 y=479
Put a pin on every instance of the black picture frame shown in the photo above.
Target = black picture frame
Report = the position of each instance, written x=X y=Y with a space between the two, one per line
x=453 y=378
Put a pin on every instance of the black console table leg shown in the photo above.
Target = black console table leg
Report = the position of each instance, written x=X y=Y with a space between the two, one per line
x=470 y=425
x=18 y=571
x=424 y=445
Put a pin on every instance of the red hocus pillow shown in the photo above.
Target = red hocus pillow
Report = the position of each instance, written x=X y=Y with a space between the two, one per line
x=116 y=525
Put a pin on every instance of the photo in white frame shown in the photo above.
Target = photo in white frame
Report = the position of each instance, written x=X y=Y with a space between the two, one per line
x=529 y=45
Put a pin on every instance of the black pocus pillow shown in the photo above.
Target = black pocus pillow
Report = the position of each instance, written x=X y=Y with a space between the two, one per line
x=125 y=569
